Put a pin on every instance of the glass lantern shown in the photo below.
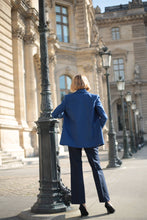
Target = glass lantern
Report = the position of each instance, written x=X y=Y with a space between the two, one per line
x=121 y=85
x=128 y=97
x=133 y=106
x=106 y=60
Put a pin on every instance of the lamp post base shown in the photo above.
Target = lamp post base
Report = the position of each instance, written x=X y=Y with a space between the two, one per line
x=113 y=165
x=126 y=156
x=43 y=206
x=114 y=160
x=50 y=198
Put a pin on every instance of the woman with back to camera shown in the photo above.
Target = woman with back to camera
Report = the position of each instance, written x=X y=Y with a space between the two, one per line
x=84 y=118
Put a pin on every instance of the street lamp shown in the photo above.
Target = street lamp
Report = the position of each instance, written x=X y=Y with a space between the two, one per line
x=114 y=160
x=132 y=140
x=133 y=106
x=50 y=198
x=121 y=88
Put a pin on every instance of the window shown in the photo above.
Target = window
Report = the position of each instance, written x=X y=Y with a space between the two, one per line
x=62 y=26
x=115 y=33
x=65 y=83
x=118 y=68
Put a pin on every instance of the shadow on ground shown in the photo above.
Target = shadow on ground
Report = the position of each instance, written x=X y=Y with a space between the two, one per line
x=10 y=218
x=87 y=217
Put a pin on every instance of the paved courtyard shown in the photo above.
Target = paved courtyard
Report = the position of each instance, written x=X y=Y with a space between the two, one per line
x=127 y=186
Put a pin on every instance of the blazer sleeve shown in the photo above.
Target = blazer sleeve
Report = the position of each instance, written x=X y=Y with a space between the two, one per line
x=101 y=112
x=59 y=110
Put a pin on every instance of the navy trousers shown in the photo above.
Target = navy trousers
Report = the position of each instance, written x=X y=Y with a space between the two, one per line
x=77 y=181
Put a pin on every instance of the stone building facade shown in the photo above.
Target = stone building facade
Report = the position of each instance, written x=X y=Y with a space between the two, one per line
x=73 y=46
x=124 y=31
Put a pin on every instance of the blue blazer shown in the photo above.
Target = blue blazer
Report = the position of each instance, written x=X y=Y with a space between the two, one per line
x=84 y=118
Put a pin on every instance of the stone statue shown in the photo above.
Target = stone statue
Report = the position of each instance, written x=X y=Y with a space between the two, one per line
x=97 y=10
x=135 y=4
x=137 y=71
x=94 y=33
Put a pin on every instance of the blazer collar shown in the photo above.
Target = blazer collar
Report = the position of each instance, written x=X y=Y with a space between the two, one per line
x=81 y=91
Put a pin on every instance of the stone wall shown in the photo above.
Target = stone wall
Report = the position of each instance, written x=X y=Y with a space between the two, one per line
x=20 y=76
x=132 y=47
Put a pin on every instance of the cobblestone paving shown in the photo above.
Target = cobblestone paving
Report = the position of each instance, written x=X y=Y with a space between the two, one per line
x=28 y=185
x=15 y=185
x=19 y=188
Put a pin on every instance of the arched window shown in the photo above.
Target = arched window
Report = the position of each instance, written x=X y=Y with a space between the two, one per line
x=65 y=83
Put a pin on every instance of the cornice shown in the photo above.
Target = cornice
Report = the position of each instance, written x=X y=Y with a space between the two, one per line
x=130 y=83
x=84 y=51
x=24 y=9
x=127 y=18
x=121 y=42
x=21 y=6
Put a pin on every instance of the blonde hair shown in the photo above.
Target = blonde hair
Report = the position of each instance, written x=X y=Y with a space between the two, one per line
x=80 y=82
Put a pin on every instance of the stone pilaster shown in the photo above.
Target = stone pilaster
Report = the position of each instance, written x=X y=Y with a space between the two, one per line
x=9 y=128
x=18 y=32
x=18 y=69
x=80 y=18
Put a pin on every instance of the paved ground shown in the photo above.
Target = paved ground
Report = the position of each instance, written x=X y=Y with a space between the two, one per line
x=127 y=186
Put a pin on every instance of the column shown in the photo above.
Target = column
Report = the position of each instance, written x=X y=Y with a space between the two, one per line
x=9 y=128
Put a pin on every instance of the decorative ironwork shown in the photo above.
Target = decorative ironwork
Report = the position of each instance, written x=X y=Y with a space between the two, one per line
x=53 y=194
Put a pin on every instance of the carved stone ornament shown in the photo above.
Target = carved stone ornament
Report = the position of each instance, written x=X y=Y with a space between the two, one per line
x=101 y=43
x=136 y=4
x=29 y=38
x=94 y=33
x=18 y=32
x=67 y=69
x=52 y=59
x=137 y=71
x=88 y=68
x=97 y=10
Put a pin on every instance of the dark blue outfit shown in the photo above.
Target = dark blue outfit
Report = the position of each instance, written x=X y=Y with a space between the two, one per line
x=84 y=118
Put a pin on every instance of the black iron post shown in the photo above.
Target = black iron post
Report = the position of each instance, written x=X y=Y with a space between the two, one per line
x=114 y=160
x=133 y=106
x=132 y=138
x=125 y=136
x=141 y=131
x=49 y=198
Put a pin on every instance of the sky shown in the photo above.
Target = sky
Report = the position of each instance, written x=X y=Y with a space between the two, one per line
x=105 y=3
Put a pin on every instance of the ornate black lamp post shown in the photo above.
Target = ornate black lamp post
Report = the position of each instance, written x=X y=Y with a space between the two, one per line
x=114 y=160
x=137 y=126
x=132 y=138
x=141 y=130
x=133 y=107
x=49 y=199
x=121 y=88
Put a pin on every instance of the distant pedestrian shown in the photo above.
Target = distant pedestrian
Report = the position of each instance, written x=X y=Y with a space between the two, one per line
x=84 y=118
